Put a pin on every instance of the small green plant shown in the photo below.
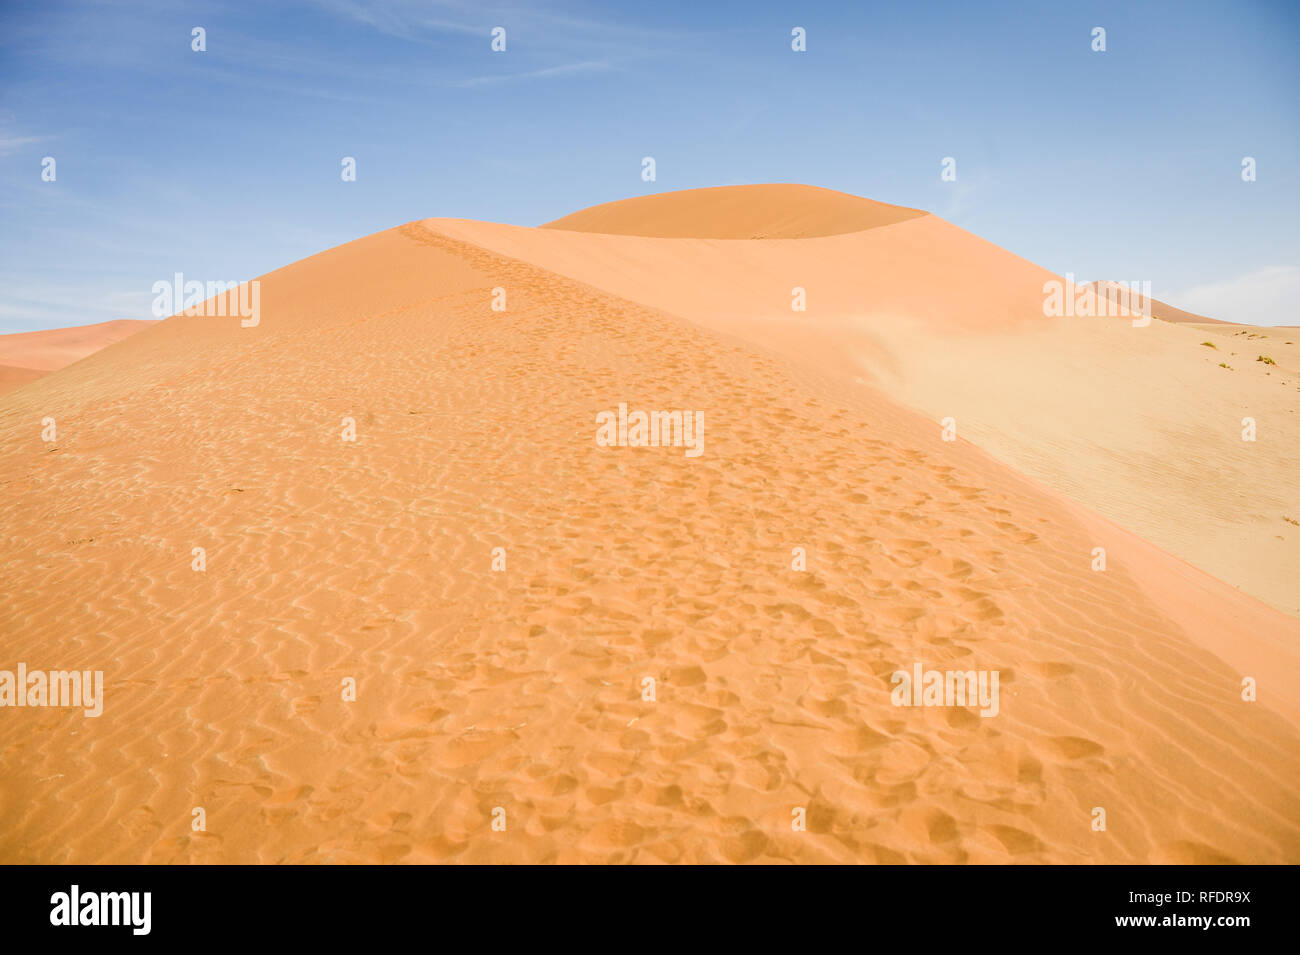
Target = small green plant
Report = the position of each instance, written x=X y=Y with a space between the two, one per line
x=1210 y=345
x=1266 y=360
x=1222 y=365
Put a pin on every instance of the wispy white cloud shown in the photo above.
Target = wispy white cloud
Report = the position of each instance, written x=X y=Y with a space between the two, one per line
x=406 y=19
x=11 y=144
x=419 y=21
x=1266 y=296
x=12 y=137
x=538 y=37
x=588 y=66
x=29 y=305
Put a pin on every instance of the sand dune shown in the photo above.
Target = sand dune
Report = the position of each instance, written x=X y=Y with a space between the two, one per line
x=1113 y=292
x=520 y=691
x=773 y=211
x=12 y=376
x=1141 y=425
x=26 y=356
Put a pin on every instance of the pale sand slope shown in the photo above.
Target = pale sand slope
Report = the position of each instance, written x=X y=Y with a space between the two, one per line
x=26 y=356
x=1122 y=295
x=521 y=689
x=1139 y=424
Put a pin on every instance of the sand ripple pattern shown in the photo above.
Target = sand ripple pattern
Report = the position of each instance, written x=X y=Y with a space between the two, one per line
x=522 y=689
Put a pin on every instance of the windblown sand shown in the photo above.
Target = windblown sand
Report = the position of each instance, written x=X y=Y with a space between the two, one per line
x=521 y=689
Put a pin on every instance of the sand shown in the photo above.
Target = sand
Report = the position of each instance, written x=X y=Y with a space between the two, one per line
x=1122 y=295
x=1139 y=424
x=783 y=211
x=518 y=692
x=26 y=356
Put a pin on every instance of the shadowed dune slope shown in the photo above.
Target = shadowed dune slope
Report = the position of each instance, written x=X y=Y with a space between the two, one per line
x=371 y=561
x=773 y=211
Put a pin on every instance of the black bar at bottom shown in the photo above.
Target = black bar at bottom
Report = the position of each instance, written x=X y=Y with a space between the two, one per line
x=335 y=905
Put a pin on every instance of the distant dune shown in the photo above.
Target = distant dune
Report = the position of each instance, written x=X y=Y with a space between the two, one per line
x=775 y=211
x=26 y=356
x=1158 y=309
x=628 y=654
x=12 y=376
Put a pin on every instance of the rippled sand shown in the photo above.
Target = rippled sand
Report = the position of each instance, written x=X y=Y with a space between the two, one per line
x=520 y=691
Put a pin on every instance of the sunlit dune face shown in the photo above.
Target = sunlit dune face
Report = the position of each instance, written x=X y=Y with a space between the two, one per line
x=776 y=211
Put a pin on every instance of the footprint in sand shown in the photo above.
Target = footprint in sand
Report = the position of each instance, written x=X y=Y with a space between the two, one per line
x=1184 y=852
x=1067 y=748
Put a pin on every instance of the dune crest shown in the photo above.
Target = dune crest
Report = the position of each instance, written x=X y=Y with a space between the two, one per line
x=771 y=211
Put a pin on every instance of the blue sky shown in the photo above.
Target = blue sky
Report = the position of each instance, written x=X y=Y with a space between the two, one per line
x=225 y=164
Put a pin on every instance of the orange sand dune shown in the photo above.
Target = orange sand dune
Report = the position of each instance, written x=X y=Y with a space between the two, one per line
x=12 y=376
x=26 y=356
x=774 y=211
x=1142 y=425
x=520 y=694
